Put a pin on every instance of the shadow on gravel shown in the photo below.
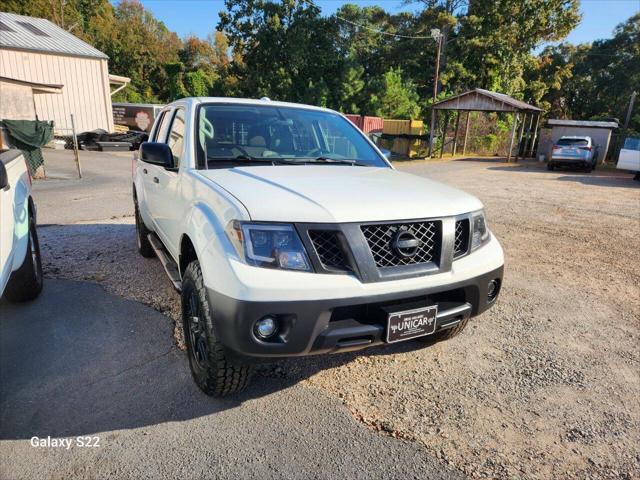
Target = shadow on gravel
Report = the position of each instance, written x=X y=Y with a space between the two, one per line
x=600 y=178
x=604 y=179
x=79 y=360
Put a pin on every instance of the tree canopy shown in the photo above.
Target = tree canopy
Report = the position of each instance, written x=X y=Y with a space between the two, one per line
x=363 y=60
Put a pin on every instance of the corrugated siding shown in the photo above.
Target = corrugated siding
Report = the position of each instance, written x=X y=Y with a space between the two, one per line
x=85 y=91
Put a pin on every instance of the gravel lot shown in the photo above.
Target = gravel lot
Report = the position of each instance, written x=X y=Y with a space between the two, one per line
x=544 y=385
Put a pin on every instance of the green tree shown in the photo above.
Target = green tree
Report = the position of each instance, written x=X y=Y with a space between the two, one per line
x=397 y=98
x=496 y=37
x=286 y=49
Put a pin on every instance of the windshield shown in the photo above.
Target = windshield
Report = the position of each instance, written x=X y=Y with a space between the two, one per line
x=256 y=134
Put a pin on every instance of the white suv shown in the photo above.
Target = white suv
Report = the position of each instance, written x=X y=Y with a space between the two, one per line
x=289 y=233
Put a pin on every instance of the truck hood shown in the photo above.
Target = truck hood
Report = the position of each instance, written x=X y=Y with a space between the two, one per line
x=339 y=193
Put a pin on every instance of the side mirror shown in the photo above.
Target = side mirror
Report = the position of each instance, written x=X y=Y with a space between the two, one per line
x=157 y=154
x=4 y=179
x=386 y=153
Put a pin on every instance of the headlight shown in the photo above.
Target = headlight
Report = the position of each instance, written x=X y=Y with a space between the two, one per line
x=269 y=245
x=479 y=230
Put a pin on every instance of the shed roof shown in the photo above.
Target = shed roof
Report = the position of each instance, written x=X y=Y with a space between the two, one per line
x=555 y=122
x=20 y=32
x=480 y=99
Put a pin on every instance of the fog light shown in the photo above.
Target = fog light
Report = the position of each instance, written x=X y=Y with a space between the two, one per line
x=492 y=290
x=265 y=328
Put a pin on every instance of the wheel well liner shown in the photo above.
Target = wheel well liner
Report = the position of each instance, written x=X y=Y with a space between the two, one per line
x=187 y=253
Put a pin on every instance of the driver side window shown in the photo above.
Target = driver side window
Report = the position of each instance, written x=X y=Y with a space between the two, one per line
x=176 y=137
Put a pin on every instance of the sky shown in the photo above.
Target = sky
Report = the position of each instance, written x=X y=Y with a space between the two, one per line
x=199 y=17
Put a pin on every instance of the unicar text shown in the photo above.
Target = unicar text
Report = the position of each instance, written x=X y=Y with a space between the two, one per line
x=412 y=323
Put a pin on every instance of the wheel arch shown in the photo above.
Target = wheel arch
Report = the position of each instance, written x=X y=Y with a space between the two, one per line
x=187 y=253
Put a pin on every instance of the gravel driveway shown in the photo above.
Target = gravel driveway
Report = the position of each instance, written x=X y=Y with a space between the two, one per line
x=544 y=385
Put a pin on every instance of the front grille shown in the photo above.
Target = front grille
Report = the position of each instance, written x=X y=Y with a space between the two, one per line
x=328 y=249
x=380 y=238
x=461 y=242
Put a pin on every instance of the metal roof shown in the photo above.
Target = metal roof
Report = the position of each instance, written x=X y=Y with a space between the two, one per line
x=480 y=99
x=555 y=122
x=39 y=35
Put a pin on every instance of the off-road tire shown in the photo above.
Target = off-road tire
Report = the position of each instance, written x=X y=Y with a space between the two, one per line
x=212 y=370
x=142 y=232
x=26 y=283
x=445 y=334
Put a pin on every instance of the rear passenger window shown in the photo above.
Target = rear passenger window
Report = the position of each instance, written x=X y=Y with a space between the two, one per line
x=176 y=137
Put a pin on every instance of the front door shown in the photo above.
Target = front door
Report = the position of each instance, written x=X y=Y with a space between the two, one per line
x=167 y=204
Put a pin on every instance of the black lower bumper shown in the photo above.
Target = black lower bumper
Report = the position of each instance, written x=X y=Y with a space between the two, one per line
x=338 y=325
x=570 y=162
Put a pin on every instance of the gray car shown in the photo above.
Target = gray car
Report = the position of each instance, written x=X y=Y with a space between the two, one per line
x=574 y=152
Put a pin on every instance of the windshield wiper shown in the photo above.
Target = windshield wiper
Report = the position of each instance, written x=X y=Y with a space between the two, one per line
x=338 y=161
x=240 y=159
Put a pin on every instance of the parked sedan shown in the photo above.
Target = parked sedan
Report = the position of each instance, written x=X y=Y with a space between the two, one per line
x=576 y=152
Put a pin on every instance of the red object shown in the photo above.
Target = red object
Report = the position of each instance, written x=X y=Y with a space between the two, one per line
x=355 y=119
x=372 y=124
x=586 y=148
x=366 y=124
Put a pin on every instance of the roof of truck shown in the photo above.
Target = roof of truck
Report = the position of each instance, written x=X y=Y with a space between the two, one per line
x=251 y=101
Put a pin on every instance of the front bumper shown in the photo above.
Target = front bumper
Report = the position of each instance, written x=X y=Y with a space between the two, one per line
x=310 y=327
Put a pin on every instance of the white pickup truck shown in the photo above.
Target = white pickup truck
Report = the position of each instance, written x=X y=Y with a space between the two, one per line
x=289 y=233
x=20 y=264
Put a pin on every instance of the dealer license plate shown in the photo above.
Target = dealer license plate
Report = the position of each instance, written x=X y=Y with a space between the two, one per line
x=411 y=323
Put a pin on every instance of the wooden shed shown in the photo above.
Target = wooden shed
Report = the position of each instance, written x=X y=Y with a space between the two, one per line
x=34 y=50
x=481 y=100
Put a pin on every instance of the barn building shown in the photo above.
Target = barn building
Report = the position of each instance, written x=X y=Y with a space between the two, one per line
x=49 y=72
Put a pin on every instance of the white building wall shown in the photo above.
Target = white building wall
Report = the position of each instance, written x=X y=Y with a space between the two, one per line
x=85 y=91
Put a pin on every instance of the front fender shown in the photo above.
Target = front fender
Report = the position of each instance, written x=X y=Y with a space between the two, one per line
x=213 y=248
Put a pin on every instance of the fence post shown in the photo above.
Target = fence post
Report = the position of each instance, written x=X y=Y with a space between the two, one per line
x=75 y=146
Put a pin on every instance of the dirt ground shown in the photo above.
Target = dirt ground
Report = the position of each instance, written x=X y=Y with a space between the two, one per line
x=544 y=385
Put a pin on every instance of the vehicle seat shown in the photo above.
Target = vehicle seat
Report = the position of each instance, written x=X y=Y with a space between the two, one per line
x=257 y=145
x=282 y=141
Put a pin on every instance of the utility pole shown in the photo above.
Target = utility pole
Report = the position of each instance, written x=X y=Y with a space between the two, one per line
x=437 y=36
x=632 y=102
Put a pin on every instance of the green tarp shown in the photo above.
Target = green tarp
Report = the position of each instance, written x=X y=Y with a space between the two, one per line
x=29 y=136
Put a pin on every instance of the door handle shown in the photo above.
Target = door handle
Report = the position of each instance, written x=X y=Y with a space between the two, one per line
x=144 y=170
x=155 y=180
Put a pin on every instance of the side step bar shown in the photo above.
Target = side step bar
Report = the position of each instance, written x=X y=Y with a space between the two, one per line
x=167 y=262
